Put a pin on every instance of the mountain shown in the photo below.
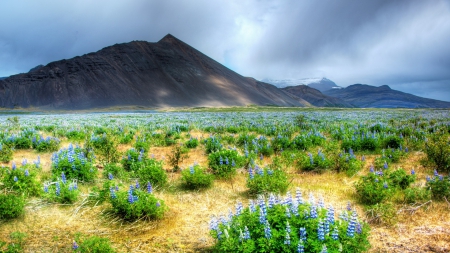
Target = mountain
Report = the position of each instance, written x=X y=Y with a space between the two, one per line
x=362 y=95
x=321 y=84
x=1 y=78
x=315 y=97
x=168 y=73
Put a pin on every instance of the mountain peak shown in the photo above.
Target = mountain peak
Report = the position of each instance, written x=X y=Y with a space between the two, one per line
x=169 y=38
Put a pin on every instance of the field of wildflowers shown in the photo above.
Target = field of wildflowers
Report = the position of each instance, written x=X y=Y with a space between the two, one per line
x=377 y=181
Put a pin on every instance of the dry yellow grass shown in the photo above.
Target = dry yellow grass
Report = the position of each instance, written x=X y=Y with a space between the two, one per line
x=185 y=228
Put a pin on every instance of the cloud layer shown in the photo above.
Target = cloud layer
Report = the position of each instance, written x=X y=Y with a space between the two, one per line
x=403 y=44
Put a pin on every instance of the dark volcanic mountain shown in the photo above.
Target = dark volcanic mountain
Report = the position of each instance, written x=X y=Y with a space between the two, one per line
x=362 y=95
x=162 y=74
x=323 y=84
x=315 y=97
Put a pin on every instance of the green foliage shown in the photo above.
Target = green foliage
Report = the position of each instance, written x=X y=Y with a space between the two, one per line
x=301 y=142
x=11 y=206
x=317 y=163
x=22 y=179
x=75 y=135
x=381 y=213
x=150 y=170
x=74 y=164
x=437 y=149
x=348 y=163
x=22 y=142
x=263 y=181
x=48 y=144
x=176 y=157
x=212 y=144
x=392 y=141
x=16 y=244
x=225 y=162
x=92 y=244
x=417 y=195
x=191 y=143
x=115 y=170
x=61 y=191
x=132 y=156
x=196 y=178
x=105 y=147
x=6 y=153
x=134 y=204
x=373 y=189
x=287 y=225
x=280 y=143
x=142 y=144
x=379 y=186
x=439 y=186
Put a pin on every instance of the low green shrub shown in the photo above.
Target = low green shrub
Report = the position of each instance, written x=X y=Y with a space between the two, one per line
x=393 y=141
x=348 y=163
x=225 y=162
x=381 y=213
x=191 y=143
x=11 y=206
x=416 y=195
x=131 y=156
x=150 y=170
x=439 y=186
x=16 y=244
x=75 y=135
x=48 y=144
x=136 y=203
x=92 y=244
x=105 y=147
x=61 y=191
x=142 y=144
x=263 y=181
x=316 y=163
x=437 y=148
x=301 y=142
x=196 y=178
x=289 y=225
x=281 y=143
x=176 y=157
x=74 y=164
x=6 y=153
x=22 y=179
x=212 y=144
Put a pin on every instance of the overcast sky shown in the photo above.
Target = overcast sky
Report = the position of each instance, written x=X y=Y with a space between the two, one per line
x=404 y=44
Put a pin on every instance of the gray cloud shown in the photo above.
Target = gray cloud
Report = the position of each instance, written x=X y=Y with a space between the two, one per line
x=400 y=43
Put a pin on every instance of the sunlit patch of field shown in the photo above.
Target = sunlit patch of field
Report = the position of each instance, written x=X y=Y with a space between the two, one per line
x=185 y=228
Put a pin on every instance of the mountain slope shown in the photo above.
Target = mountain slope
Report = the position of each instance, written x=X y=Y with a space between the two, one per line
x=315 y=97
x=362 y=95
x=163 y=74
x=321 y=84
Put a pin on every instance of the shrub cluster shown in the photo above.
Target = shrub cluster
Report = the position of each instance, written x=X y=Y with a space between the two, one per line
x=62 y=191
x=74 y=163
x=196 y=178
x=225 y=162
x=6 y=153
x=48 y=144
x=316 y=163
x=263 y=181
x=22 y=179
x=289 y=225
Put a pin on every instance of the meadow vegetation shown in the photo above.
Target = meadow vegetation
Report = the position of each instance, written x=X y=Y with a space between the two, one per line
x=226 y=180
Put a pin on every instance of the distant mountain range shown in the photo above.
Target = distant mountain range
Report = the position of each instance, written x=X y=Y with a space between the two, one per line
x=321 y=84
x=170 y=73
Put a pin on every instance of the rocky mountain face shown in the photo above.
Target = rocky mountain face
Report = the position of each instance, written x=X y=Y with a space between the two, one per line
x=367 y=96
x=315 y=97
x=169 y=73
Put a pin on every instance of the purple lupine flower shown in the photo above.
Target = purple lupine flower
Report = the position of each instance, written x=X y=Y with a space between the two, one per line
x=320 y=231
x=371 y=168
x=313 y=212
x=358 y=228
x=15 y=179
x=112 y=193
x=63 y=178
x=220 y=160
x=27 y=173
x=267 y=230
x=239 y=208
x=271 y=201
x=58 y=189
x=335 y=234
x=246 y=233
x=385 y=185
x=302 y=232
x=300 y=247
x=352 y=225
x=75 y=245
x=385 y=166
x=262 y=215
x=436 y=173
x=288 y=212
x=311 y=159
x=137 y=185
x=349 y=206
x=324 y=249
x=214 y=224
x=46 y=188
x=158 y=204
x=24 y=162
x=13 y=166
x=130 y=198
x=110 y=176
x=413 y=172
x=191 y=170
x=287 y=239
x=298 y=196
x=250 y=172
x=330 y=214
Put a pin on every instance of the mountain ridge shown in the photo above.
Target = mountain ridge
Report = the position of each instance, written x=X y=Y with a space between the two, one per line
x=168 y=73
